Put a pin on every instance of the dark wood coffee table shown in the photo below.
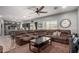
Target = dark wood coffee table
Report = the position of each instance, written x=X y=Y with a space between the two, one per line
x=39 y=43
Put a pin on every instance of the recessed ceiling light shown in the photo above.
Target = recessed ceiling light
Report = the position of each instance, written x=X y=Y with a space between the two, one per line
x=64 y=6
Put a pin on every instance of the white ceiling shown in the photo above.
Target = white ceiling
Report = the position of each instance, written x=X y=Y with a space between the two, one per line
x=19 y=13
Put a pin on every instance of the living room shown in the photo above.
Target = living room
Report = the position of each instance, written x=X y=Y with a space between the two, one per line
x=44 y=29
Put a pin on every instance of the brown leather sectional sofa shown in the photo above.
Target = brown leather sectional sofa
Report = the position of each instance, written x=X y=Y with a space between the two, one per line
x=56 y=35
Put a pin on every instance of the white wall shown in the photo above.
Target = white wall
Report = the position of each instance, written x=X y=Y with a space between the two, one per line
x=78 y=21
x=72 y=16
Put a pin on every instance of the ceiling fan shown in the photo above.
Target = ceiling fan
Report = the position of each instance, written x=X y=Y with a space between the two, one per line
x=39 y=10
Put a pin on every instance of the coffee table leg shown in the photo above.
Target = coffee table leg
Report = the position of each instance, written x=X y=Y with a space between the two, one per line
x=50 y=42
x=30 y=46
x=38 y=49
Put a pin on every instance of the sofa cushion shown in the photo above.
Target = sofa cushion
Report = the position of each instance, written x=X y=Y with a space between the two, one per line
x=56 y=34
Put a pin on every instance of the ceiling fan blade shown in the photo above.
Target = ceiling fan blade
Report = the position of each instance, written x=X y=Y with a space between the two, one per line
x=42 y=12
x=40 y=8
